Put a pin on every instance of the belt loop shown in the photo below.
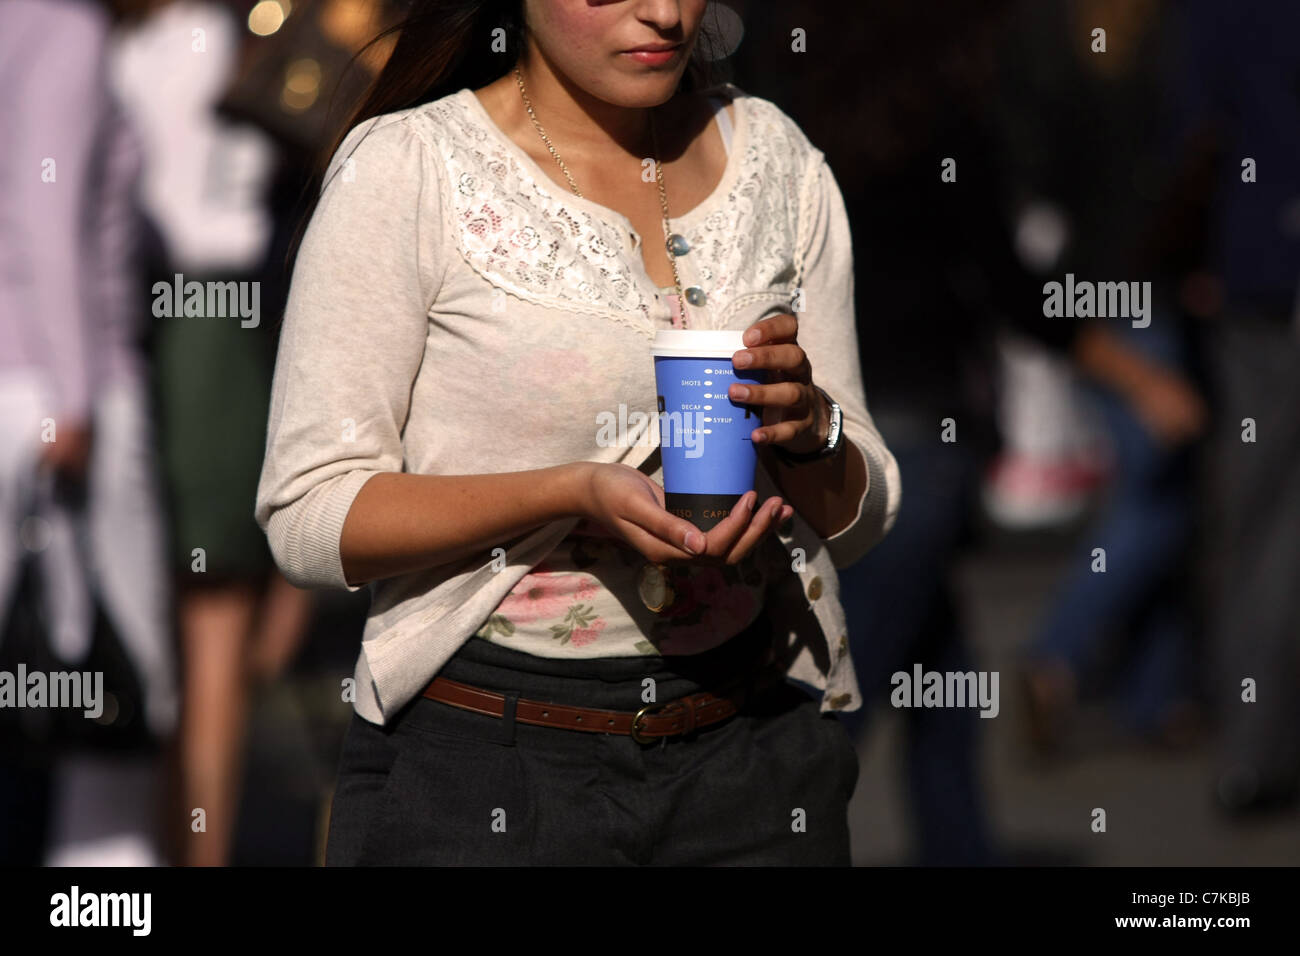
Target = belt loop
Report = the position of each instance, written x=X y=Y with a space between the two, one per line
x=508 y=718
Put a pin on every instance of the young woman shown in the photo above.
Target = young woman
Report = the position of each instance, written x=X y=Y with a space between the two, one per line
x=556 y=669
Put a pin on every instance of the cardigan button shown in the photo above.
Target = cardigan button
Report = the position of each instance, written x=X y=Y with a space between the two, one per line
x=815 y=588
x=695 y=296
x=653 y=588
x=840 y=700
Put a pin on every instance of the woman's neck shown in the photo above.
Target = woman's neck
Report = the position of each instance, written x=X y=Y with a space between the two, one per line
x=573 y=116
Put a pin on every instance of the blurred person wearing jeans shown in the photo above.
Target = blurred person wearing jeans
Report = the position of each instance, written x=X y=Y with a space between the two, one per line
x=934 y=271
x=1152 y=413
x=937 y=275
x=69 y=351
x=1141 y=372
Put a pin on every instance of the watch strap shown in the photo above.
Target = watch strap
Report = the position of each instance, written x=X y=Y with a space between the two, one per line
x=834 y=436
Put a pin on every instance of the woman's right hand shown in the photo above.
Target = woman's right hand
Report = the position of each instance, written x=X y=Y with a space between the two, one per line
x=631 y=506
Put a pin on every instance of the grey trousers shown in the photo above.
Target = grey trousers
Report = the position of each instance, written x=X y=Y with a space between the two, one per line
x=1257 y=526
x=439 y=785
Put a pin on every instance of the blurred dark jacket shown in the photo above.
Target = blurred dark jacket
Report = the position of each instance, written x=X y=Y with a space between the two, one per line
x=1240 y=84
x=888 y=92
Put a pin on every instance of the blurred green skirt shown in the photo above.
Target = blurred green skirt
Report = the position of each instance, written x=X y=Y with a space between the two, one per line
x=214 y=386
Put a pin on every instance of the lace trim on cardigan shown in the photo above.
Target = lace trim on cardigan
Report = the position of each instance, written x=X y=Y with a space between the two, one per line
x=528 y=238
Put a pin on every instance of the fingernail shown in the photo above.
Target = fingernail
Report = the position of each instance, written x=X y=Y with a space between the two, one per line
x=751 y=337
x=751 y=499
x=742 y=360
x=741 y=393
x=692 y=542
x=776 y=509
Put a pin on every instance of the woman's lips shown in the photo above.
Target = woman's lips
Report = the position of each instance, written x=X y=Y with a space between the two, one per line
x=652 y=57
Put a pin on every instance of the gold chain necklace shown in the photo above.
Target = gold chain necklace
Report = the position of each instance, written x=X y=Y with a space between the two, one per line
x=659 y=178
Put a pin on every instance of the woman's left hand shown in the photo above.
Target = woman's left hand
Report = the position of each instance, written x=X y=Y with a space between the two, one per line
x=794 y=413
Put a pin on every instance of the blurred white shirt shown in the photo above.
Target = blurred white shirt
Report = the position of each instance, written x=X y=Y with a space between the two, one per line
x=204 y=179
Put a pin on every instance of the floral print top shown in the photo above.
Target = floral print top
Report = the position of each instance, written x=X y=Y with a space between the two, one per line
x=582 y=601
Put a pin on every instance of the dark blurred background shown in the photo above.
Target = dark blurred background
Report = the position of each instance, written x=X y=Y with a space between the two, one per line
x=1104 y=513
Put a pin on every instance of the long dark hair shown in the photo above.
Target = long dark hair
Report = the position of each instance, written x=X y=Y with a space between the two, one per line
x=442 y=47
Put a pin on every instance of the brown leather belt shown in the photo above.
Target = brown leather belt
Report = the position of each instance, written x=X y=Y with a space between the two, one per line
x=671 y=718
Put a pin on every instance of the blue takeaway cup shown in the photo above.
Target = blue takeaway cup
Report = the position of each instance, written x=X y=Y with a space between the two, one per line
x=709 y=460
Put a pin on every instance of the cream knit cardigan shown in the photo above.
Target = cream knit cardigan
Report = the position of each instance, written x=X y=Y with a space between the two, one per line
x=454 y=311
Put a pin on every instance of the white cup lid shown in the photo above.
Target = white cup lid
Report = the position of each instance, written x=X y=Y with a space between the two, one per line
x=697 y=343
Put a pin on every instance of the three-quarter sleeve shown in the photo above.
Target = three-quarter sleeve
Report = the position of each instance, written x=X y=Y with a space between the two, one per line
x=828 y=334
x=352 y=342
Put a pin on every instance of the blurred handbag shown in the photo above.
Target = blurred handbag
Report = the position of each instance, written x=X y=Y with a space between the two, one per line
x=298 y=84
x=26 y=648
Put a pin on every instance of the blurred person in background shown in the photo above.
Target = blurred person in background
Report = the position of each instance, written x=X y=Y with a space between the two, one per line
x=204 y=190
x=231 y=120
x=1239 y=116
x=1088 y=130
x=86 y=504
x=934 y=273
x=937 y=268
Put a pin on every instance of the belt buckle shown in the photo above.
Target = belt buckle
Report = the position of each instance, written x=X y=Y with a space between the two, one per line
x=636 y=735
